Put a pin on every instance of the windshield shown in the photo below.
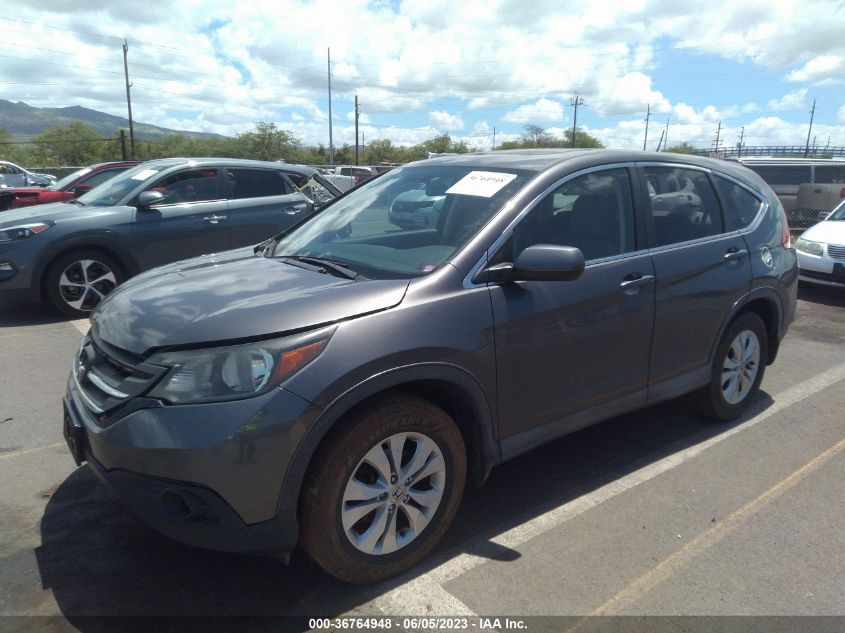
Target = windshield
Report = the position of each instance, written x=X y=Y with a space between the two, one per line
x=113 y=191
x=838 y=213
x=64 y=182
x=406 y=223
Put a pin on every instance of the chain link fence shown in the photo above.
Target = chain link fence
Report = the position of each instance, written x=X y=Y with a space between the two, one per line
x=808 y=189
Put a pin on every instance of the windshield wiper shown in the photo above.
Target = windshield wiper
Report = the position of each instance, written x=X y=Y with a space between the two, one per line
x=324 y=265
x=75 y=201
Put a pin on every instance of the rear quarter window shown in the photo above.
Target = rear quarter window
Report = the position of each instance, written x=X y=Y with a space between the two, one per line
x=739 y=206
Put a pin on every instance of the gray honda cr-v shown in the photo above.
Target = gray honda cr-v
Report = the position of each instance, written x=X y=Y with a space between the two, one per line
x=336 y=386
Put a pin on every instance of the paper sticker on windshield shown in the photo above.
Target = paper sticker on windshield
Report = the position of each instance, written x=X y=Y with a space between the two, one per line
x=481 y=183
x=143 y=175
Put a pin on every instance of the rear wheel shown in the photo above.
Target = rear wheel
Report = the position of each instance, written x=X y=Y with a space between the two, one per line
x=382 y=492
x=737 y=371
x=77 y=282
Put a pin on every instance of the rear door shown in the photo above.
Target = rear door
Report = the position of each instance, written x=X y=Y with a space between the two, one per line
x=565 y=347
x=191 y=220
x=702 y=269
x=262 y=203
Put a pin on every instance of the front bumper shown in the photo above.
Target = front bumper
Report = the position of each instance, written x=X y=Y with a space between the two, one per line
x=207 y=475
x=821 y=269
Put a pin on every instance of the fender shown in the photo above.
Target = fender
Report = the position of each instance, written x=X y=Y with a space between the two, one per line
x=484 y=430
x=762 y=292
x=97 y=240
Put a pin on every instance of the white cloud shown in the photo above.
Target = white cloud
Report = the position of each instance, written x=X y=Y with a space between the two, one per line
x=840 y=116
x=542 y=110
x=481 y=127
x=422 y=64
x=790 y=101
x=446 y=122
x=821 y=68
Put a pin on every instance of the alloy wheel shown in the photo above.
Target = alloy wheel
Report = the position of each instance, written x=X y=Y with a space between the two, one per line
x=85 y=283
x=393 y=493
x=740 y=367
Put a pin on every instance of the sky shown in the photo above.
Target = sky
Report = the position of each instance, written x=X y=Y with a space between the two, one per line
x=426 y=67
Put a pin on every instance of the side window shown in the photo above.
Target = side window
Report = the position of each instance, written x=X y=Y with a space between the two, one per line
x=98 y=177
x=593 y=212
x=257 y=183
x=683 y=204
x=741 y=206
x=194 y=185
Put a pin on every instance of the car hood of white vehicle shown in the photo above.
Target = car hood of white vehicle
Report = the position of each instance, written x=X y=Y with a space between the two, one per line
x=830 y=232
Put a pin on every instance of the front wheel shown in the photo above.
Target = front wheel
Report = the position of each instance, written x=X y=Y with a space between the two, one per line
x=77 y=282
x=383 y=490
x=737 y=370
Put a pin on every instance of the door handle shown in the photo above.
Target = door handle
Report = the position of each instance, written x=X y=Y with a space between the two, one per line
x=214 y=219
x=735 y=253
x=632 y=283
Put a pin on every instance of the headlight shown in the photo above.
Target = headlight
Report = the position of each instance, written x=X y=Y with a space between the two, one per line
x=238 y=371
x=806 y=246
x=23 y=231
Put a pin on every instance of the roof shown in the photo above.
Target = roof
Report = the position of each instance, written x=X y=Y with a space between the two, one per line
x=543 y=159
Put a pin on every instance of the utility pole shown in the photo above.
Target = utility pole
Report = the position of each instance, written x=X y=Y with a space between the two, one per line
x=331 y=143
x=128 y=100
x=123 y=155
x=575 y=101
x=356 y=128
x=718 y=132
x=739 y=147
x=662 y=133
x=647 y=117
x=494 y=138
x=666 y=136
x=812 y=114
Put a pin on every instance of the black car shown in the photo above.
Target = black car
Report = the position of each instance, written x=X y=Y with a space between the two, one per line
x=337 y=386
x=73 y=254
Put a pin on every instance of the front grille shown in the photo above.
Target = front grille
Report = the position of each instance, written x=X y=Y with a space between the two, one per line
x=836 y=251
x=109 y=378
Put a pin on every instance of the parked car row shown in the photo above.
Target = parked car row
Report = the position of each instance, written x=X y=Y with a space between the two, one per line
x=339 y=384
x=69 y=187
x=344 y=177
x=72 y=254
x=12 y=175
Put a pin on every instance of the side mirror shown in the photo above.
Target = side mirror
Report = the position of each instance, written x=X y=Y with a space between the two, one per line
x=81 y=190
x=148 y=199
x=541 y=262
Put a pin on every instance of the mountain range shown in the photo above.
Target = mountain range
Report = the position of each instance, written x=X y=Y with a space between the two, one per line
x=25 y=121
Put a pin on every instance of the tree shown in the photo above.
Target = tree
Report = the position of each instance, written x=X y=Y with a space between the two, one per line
x=536 y=136
x=683 y=148
x=267 y=142
x=74 y=145
x=582 y=139
x=382 y=151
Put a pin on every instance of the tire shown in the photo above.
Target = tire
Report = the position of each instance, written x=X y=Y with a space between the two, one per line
x=78 y=281
x=733 y=385
x=358 y=545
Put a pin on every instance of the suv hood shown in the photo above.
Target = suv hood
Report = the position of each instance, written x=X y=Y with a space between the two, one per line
x=38 y=213
x=216 y=299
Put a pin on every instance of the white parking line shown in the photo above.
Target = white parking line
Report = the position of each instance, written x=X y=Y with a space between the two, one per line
x=83 y=325
x=424 y=595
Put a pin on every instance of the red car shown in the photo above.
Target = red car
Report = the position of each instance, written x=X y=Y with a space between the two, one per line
x=69 y=187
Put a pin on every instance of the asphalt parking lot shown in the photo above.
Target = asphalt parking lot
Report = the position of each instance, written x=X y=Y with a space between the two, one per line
x=653 y=513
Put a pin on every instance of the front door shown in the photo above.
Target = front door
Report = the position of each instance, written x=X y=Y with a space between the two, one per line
x=191 y=220
x=566 y=350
